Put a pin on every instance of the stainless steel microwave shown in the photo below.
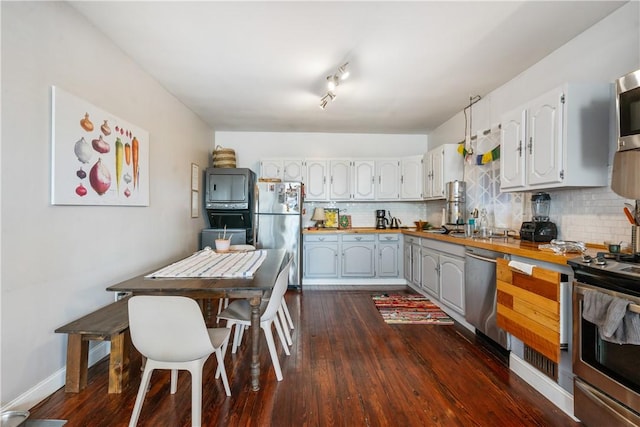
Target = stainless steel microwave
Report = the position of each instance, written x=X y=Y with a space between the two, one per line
x=628 y=111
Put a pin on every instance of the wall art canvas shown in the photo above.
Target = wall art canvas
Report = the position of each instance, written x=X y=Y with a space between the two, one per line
x=97 y=158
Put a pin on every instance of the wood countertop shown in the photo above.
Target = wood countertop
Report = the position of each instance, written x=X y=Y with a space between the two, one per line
x=509 y=246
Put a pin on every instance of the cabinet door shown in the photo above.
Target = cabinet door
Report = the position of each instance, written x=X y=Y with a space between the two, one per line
x=427 y=175
x=430 y=279
x=316 y=185
x=416 y=267
x=364 y=178
x=452 y=282
x=407 y=261
x=512 y=149
x=293 y=170
x=271 y=169
x=388 y=259
x=544 y=145
x=358 y=259
x=321 y=260
x=339 y=188
x=437 y=173
x=388 y=185
x=411 y=178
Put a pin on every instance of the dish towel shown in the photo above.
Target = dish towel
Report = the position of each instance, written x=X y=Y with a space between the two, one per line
x=522 y=266
x=615 y=323
x=208 y=263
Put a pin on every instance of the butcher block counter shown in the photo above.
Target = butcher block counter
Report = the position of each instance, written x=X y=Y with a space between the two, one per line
x=504 y=245
x=508 y=246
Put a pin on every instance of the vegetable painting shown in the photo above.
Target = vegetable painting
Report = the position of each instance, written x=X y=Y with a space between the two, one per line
x=82 y=150
x=100 y=145
x=105 y=129
x=119 y=150
x=100 y=177
x=134 y=148
x=127 y=153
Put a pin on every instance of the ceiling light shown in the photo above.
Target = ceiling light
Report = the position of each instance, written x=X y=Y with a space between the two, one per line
x=343 y=72
x=332 y=82
x=323 y=103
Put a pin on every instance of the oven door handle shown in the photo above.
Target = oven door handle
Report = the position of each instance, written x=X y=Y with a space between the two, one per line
x=581 y=288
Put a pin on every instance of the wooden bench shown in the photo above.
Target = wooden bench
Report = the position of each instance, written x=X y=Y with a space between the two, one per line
x=109 y=323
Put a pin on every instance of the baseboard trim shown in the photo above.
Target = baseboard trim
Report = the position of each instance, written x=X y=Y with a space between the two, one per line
x=334 y=282
x=50 y=385
x=544 y=385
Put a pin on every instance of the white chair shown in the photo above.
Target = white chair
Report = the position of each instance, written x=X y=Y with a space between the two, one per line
x=171 y=333
x=239 y=314
x=224 y=302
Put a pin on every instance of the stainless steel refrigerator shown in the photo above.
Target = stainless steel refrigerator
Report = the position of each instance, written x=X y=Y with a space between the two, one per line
x=278 y=221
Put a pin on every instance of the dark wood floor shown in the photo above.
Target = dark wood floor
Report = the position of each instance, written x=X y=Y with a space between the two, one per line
x=347 y=368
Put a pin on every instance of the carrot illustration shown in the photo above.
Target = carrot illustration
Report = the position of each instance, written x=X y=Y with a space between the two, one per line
x=136 y=170
x=127 y=153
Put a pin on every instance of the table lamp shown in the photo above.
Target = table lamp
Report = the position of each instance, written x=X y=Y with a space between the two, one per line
x=319 y=216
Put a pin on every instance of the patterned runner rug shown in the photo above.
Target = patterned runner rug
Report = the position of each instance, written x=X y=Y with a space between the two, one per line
x=410 y=309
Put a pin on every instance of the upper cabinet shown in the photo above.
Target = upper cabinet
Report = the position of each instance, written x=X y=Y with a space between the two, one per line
x=285 y=170
x=351 y=179
x=560 y=139
x=411 y=178
x=388 y=185
x=441 y=165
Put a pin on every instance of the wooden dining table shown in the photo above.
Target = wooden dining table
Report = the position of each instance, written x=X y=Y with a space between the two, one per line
x=251 y=288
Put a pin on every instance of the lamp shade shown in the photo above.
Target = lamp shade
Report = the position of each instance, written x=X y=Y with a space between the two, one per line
x=318 y=215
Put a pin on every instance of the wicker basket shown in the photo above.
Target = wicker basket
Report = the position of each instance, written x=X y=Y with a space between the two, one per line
x=224 y=157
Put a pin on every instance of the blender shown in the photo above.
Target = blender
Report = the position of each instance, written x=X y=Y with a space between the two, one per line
x=539 y=229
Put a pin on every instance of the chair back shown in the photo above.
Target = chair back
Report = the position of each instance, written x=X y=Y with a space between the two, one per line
x=279 y=289
x=168 y=328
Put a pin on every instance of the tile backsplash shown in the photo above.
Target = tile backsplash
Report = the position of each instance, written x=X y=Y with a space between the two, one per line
x=363 y=213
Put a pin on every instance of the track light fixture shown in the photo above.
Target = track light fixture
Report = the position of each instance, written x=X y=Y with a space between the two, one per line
x=332 y=83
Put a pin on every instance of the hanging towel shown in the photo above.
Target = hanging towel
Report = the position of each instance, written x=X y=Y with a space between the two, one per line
x=615 y=322
x=522 y=267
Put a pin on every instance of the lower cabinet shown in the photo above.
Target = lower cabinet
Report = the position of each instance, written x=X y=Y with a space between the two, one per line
x=345 y=257
x=358 y=255
x=442 y=272
x=321 y=258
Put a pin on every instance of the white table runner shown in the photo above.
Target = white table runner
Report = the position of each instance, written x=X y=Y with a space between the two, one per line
x=208 y=263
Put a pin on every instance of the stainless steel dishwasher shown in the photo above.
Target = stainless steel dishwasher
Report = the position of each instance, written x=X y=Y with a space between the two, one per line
x=480 y=294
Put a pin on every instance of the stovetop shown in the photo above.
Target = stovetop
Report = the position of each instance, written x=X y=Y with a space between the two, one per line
x=618 y=272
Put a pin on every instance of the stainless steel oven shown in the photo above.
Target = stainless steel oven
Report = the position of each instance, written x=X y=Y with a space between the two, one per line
x=607 y=375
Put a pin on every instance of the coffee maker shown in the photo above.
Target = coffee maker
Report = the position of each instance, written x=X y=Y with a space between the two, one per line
x=539 y=229
x=381 y=219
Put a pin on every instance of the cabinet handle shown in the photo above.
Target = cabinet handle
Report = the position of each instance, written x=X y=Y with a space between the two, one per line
x=519 y=148
x=324 y=179
x=530 y=145
x=331 y=179
x=321 y=239
x=358 y=238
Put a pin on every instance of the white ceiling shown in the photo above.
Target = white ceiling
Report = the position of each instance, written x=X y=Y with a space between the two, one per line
x=261 y=66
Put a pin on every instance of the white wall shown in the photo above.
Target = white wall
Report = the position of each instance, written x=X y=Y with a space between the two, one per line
x=606 y=51
x=251 y=147
x=58 y=260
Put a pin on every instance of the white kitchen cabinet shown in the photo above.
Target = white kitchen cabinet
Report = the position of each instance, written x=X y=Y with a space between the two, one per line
x=557 y=140
x=388 y=255
x=443 y=272
x=271 y=169
x=430 y=280
x=316 y=186
x=441 y=165
x=293 y=170
x=321 y=256
x=416 y=265
x=340 y=181
x=363 y=179
x=452 y=282
x=388 y=179
x=411 y=178
x=408 y=258
x=358 y=255
x=283 y=169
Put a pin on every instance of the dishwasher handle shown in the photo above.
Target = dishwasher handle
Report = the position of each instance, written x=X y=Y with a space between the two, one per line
x=481 y=258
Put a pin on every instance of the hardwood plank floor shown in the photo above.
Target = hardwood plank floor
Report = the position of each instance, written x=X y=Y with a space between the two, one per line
x=347 y=368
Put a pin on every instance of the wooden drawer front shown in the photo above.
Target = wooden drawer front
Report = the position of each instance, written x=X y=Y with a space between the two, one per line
x=529 y=307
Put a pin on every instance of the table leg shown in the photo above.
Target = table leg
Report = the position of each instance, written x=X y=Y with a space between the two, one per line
x=77 y=363
x=255 y=342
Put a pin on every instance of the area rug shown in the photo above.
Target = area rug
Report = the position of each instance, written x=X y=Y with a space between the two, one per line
x=410 y=309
